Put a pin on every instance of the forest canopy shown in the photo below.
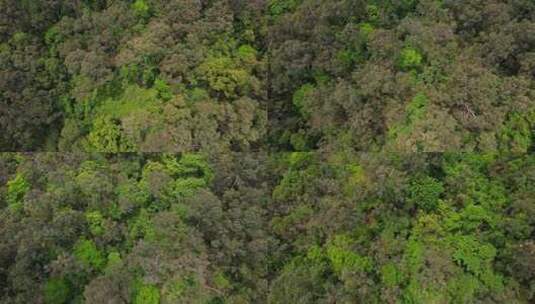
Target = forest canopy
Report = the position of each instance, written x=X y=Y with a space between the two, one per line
x=282 y=75
x=267 y=151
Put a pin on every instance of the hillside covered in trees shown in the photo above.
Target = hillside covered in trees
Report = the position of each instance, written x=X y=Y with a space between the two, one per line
x=267 y=151
x=247 y=228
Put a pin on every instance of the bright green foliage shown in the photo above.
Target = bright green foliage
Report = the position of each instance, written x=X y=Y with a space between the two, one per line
x=132 y=193
x=414 y=256
x=298 y=159
x=416 y=108
x=425 y=193
x=16 y=189
x=390 y=275
x=133 y=99
x=56 y=291
x=477 y=258
x=224 y=76
x=107 y=136
x=194 y=165
x=517 y=134
x=190 y=172
x=147 y=294
x=114 y=261
x=141 y=8
x=410 y=58
x=164 y=90
x=472 y=217
x=247 y=54
x=463 y=288
x=346 y=57
x=343 y=258
x=366 y=28
x=95 y=221
x=88 y=254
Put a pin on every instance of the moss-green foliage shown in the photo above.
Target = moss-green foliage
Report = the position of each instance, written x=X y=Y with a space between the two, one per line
x=141 y=8
x=413 y=257
x=16 y=189
x=300 y=96
x=517 y=133
x=56 y=291
x=297 y=178
x=163 y=89
x=390 y=275
x=141 y=226
x=279 y=7
x=107 y=136
x=147 y=294
x=190 y=165
x=95 y=221
x=221 y=281
x=299 y=142
x=430 y=228
x=114 y=261
x=184 y=289
x=343 y=257
x=247 y=54
x=372 y=12
x=132 y=194
x=224 y=76
x=185 y=175
x=347 y=219
x=425 y=193
x=410 y=59
x=298 y=215
x=134 y=98
x=477 y=258
x=87 y=253
x=414 y=112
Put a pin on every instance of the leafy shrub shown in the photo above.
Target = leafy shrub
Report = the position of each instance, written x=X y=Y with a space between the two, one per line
x=147 y=294
x=107 y=136
x=224 y=76
x=56 y=291
x=299 y=98
x=16 y=189
x=95 y=221
x=425 y=193
x=87 y=253
x=410 y=58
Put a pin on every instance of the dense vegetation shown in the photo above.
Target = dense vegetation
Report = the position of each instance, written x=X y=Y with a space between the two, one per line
x=119 y=76
x=191 y=75
x=245 y=228
x=267 y=151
